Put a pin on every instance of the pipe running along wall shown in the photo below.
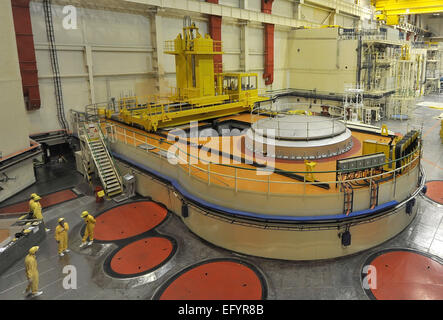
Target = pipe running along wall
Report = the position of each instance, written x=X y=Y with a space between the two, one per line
x=269 y=44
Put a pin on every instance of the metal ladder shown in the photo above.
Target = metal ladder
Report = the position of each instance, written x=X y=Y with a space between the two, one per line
x=348 y=192
x=103 y=161
x=374 y=194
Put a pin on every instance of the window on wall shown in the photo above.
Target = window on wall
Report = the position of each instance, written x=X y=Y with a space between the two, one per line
x=249 y=83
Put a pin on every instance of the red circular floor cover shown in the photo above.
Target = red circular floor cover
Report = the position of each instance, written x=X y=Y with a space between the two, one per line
x=435 y=191
x=128 y=220
x=406 y=275
x=220 y=280
x=141 y=256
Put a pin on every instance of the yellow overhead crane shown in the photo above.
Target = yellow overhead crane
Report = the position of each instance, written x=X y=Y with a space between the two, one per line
x=391 y=10
x=201 y=94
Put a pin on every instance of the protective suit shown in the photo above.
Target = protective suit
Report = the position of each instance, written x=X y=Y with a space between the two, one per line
x=37 y=209
x=90 y=226
x=31 y=203
x=31 y=271
x=61 y=236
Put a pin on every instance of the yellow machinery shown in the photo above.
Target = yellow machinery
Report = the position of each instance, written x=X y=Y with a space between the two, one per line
x=200 y=94
x=391 y=10
x=397 y=149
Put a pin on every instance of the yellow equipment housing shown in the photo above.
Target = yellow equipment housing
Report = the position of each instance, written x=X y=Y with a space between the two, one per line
x=200 y=94
x=372 y=146
x=398 y=148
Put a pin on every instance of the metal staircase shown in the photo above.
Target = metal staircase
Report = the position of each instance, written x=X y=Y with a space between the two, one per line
x=95 y=145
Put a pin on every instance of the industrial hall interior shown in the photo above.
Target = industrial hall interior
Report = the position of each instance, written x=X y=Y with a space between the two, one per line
x=221 y=150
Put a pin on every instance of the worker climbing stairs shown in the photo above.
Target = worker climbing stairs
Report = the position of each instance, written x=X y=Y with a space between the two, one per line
x=95 y=148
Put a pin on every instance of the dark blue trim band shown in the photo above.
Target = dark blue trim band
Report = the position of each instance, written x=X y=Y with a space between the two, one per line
x=185 y=193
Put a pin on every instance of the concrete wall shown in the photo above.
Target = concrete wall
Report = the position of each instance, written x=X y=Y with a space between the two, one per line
x=318 y=61
x=126 y=51
x=14 y=134
x=121 y=51
x=13 y=122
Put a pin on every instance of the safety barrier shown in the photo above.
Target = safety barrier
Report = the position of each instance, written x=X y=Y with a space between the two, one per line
x=238 y=178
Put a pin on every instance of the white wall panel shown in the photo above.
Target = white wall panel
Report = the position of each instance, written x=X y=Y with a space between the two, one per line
x=111 y=28
x=121 y=44
x=112 y=62
x=231 y=36
x=283 y=8
x=281 y=53
x=256 y=40
x=230 y=3
x=254 y=5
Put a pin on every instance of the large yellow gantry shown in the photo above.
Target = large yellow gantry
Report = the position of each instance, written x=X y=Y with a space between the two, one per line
x=390 y=10
x=201 y=94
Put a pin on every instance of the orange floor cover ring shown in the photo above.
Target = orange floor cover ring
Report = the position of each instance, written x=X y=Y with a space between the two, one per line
x=220 y=279
x=435 y=191
x=128 y=220
x=142 y=256
x=405 y=275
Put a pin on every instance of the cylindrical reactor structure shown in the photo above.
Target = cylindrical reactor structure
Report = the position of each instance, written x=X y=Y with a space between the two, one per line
x=299 y=137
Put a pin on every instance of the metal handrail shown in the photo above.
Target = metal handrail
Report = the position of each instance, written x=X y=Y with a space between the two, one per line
x=106 y=142
x=94 y=153
x=415 y=154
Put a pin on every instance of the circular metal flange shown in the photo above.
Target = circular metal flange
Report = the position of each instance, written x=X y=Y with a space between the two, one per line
x=298 y=137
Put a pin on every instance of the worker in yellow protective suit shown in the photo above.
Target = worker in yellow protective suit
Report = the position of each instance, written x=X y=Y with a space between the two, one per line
x=31 y=202
x=31 y=206
x=32 y=273
x=37 y=210
x=61 y=236
x=89 y=230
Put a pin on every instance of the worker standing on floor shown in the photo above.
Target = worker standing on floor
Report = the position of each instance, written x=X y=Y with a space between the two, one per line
x=89 y=230
x=32 y=273
x=61 y=236
x=31 y=206
x=37 y=209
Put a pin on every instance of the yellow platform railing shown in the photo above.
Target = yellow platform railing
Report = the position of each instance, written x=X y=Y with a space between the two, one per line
x=211 y=172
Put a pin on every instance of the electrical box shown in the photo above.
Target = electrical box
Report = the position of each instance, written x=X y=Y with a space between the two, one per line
x=129 y=183
x=362 y=162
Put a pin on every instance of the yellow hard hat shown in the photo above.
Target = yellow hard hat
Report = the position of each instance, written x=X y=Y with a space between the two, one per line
x=37 y=198
x=33 y=250
x=61 y=219
x=33 y=195
x=84 y=214
x=26 y=231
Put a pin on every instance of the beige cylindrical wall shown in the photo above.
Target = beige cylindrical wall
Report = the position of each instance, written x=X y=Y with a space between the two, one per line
x=291 y=204
x=289 y=244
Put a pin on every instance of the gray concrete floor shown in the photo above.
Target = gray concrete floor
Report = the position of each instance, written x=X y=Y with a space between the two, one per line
x=329 y=279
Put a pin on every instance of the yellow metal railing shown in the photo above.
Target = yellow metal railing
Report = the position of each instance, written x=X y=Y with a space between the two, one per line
x=197 y=46
x=211 y=172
